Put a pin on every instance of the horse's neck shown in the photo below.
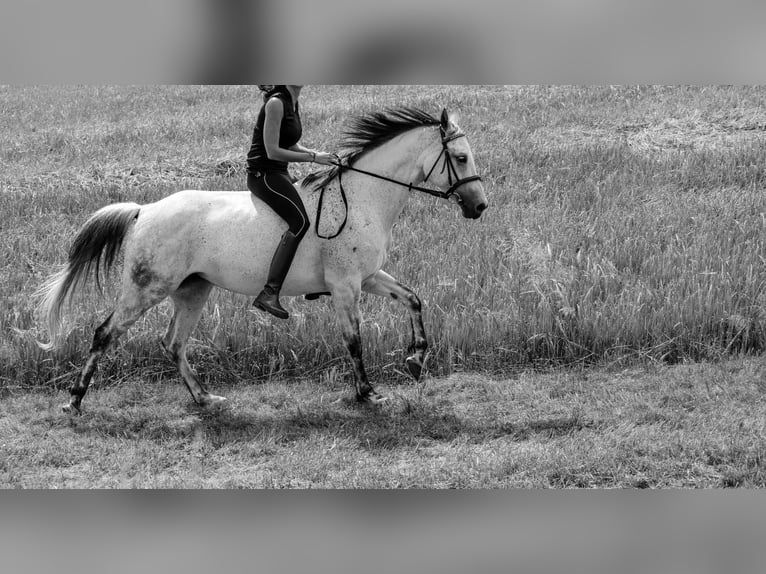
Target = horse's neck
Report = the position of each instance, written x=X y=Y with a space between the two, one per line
x=397 y=160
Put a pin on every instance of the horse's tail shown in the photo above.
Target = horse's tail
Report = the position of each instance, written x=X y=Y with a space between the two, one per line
x=95 y=247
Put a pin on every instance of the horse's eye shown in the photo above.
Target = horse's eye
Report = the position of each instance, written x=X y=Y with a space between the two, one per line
x=461 y=158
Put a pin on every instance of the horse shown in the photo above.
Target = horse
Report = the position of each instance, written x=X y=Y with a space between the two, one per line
x=190 y=241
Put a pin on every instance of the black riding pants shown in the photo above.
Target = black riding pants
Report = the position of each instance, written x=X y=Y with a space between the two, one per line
x=276 y=190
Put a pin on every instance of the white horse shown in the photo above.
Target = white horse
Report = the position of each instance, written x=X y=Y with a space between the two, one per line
x=183 y=245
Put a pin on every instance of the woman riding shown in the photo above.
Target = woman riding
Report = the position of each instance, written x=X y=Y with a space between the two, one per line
x=275 y=143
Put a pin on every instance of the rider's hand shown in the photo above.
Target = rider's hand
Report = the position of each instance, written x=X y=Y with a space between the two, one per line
x=326 y=158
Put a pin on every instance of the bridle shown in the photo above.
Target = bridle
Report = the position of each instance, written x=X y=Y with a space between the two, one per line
x=452 y=178
x=449 y=166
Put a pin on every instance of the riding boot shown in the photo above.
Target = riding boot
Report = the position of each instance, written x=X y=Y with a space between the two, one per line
x=268 y=299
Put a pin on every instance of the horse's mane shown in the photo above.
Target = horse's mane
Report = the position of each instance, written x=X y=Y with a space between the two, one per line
x=370 y=131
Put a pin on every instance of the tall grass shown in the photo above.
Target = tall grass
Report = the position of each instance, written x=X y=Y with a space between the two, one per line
x=624 y=223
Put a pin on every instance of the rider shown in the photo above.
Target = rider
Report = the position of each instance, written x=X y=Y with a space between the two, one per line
x=275 y=143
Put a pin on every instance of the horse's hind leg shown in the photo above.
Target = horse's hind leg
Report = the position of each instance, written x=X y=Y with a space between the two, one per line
x=386 y=286
x=133 y=303
x=189 y=301
x=102 y=338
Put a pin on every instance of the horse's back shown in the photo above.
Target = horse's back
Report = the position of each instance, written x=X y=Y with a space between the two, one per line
x=227 y=237
x=192 y=201
x=185 y=211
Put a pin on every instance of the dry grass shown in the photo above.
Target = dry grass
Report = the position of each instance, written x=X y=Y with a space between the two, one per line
x=684 y=426
x=626 y=227
x=626 y=223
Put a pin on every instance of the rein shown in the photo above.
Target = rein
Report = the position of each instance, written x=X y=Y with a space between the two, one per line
x=448 y=165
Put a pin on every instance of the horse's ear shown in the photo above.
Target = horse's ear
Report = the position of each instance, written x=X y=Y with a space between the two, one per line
x=445 y=119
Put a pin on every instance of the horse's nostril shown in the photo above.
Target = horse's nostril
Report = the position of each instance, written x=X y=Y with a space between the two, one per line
x=481 y=207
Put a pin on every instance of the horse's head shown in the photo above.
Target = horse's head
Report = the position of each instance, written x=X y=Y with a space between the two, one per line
x=449 y=164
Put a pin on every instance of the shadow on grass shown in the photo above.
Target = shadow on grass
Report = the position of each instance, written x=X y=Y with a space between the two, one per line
x=398 y=425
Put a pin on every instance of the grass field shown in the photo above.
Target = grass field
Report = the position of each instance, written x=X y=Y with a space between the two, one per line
x=625 y=233
x=681 y=426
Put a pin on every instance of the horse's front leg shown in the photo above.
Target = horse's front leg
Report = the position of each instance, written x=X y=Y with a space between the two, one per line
x=346 y=301
x=386 y=286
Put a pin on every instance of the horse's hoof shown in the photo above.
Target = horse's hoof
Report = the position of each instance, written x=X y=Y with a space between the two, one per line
x=415 y=367
x=70 y=409
x=210 y=401
x=373 y=398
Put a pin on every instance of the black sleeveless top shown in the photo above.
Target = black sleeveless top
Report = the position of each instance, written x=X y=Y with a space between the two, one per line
x=290 y=132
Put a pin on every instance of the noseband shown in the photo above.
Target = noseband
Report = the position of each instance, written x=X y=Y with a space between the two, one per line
x=448 y=165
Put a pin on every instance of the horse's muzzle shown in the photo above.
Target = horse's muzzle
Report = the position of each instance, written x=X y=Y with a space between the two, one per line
x=473 y=211
x=471 y=198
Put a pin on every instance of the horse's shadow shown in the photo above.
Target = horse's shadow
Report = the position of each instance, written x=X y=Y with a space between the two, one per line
x=402 y=424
